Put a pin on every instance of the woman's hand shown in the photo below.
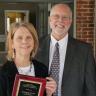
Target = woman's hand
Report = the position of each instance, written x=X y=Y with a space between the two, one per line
x=50 y=86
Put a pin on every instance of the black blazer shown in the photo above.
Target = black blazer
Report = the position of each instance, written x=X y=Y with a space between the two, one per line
x=79 y=75
x=8 y=72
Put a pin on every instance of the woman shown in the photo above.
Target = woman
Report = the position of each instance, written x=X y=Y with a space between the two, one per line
x=22 y=45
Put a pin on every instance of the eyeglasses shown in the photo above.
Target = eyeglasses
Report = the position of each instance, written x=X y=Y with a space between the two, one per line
x=64 y=18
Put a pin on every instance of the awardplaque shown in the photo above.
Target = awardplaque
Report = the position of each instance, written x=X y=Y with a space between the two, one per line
x=28 y=86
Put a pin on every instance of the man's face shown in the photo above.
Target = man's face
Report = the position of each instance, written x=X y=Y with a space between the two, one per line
x=60 y=20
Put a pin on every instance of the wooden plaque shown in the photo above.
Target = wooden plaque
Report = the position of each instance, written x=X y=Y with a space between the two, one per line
x=28 y=86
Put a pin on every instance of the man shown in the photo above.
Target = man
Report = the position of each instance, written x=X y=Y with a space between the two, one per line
x=77 y=65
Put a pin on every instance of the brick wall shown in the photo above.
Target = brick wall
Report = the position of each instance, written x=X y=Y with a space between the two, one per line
x=85 y=21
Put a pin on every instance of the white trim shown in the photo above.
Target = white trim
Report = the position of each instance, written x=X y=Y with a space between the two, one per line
x=74 y=20
x=95 y=30
x=49 y=8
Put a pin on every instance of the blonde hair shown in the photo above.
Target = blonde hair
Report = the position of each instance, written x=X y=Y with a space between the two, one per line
x=13 y=28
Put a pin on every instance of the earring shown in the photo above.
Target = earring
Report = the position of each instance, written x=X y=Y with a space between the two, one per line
x=31 y=55
x=13 y=53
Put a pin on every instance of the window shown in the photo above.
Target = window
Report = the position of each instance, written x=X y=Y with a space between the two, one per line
x=15 y=16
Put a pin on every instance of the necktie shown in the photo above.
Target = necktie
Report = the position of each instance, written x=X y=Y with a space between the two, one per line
x=55 y=66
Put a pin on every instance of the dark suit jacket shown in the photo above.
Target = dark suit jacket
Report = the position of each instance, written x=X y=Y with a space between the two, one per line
x=8 y=72
x=79 y=75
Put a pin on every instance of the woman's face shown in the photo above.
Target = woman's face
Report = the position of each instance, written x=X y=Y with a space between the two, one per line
x=23 y=42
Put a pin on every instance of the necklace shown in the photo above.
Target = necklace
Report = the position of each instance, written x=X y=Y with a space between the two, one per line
x=25 y=70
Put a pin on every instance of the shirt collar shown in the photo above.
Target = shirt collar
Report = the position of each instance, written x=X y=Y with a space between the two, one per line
x=61 y=42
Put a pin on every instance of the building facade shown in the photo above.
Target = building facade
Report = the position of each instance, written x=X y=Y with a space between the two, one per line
x=37 y=12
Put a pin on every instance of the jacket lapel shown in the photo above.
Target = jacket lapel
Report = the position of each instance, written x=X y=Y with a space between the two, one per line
x=68 y=61
x=46 y=50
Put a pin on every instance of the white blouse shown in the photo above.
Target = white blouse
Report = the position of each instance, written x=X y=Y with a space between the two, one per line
x=28 y=70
